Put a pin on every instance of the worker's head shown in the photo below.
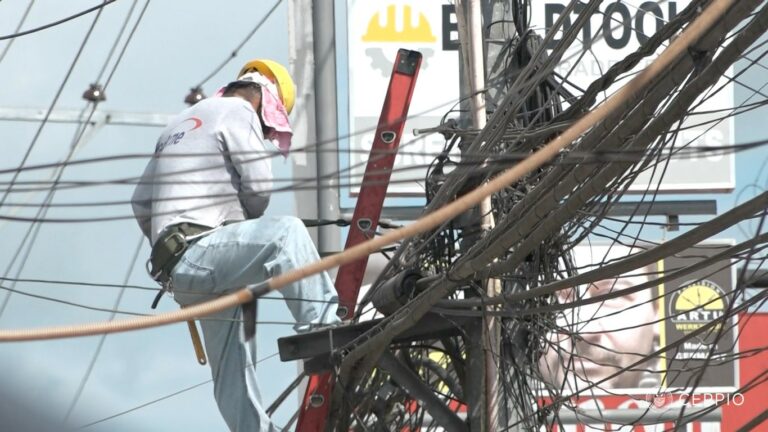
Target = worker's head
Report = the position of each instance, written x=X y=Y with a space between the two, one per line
x=275 y=101
x=248 y=90
x=276 y=75
x=597 y=340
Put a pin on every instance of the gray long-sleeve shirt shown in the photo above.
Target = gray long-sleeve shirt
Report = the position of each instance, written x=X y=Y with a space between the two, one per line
x=210 y=166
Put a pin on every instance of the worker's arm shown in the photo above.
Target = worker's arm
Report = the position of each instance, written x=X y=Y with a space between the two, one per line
x=142 y=200
x=244 y=143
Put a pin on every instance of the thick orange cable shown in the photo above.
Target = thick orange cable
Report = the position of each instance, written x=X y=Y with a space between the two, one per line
x=186 y=314
x=692 y=33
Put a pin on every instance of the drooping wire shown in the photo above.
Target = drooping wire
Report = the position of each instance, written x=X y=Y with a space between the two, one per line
x=35 y=229
x=18 y=27
x=237 y=49
x=168 y=396
x=117 y=41
x=48 y=112
x=61 y=21
x=103 y=338
x=35 y=138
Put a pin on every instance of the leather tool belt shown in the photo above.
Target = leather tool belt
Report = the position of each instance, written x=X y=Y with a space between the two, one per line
x=166 y=253
x=169 y=248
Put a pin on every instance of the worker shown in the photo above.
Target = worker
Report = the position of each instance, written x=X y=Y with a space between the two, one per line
x=201 y=203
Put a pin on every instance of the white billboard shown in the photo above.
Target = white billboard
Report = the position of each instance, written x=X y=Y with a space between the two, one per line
x=618 y=29
x=377 y=29
x=595 y=341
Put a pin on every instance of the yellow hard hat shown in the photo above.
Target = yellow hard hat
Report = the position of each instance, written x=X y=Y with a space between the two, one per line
x=276 y=73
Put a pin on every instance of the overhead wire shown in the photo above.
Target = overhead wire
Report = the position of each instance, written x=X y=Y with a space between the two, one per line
x=362 y=131
x=61 y=21
x=34 y=230
x=379 y=334
x=471 y=159
x=541 y=156
x=55 y=100
x=32 y=145
x=237 y=49
x=492 y=164
x=120 y=286
x=162 y=398
x=119 y=36
x=32 y=233
x=18 y=27
x=541 y=73
x=103 y=338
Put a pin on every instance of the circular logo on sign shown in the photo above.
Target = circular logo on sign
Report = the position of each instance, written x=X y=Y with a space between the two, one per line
x=696 y=304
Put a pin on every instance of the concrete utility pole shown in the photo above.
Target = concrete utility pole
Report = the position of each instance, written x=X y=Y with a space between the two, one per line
x=324 y=37
x=482 y=394
x=486 y=411
x=301 y=65
x=499 y=41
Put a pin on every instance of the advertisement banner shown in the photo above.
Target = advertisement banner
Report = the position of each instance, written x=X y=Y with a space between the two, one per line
x=737 y=407
x=377 y=29
x=614 y=344
x=617 y=29
x=691 y=302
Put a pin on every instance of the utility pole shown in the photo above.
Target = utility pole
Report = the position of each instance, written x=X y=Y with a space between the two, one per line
x=310 y=38
x=479 y=63
x=500 y=42
x=482 y=374
x=327 y=159
x=301 y=65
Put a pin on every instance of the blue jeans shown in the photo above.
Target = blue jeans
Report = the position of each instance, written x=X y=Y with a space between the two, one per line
x=228 y=259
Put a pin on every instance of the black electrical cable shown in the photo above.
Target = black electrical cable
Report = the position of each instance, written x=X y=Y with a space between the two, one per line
x=168 y=396
x=103 y=338
x=48 y=112
x=125 y=45
x=18 y=27
x=117 y=41
x=61 y=21
x=237 y=49
x=33 y=230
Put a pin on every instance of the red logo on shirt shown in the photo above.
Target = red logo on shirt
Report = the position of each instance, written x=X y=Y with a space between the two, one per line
x=174 y=139
x=197 y=123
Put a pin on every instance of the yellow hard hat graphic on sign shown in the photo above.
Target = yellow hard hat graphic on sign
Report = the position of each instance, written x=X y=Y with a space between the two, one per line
x=389 y=33
x=699 y=295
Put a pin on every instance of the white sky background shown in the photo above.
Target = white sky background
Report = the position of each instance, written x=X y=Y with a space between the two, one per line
x=176 y=45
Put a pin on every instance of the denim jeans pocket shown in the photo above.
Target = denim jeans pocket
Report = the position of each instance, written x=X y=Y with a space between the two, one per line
x=193 y=283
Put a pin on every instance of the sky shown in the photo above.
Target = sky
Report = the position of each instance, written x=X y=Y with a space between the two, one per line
x=175 y=46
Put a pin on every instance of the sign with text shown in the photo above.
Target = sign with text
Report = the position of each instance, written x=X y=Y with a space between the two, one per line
x=691 y=303
x=617 y=29
x=377 y=29
x=670 y=336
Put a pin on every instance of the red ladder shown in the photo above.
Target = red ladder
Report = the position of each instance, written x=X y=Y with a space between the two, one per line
x=316 y=403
